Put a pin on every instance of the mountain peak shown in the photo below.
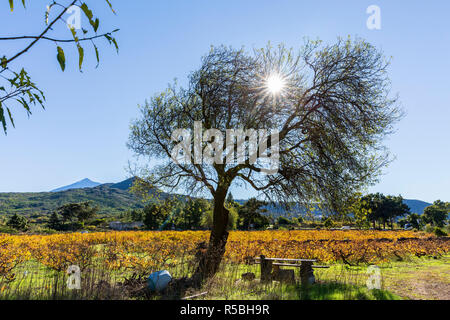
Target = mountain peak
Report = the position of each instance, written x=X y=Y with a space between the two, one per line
x=124 y=185
x=85 y=183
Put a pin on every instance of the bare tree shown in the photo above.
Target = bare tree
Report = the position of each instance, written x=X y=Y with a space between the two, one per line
x=330 y=104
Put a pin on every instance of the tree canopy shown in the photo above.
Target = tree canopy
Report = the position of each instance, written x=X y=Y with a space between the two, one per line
x=332 y=116
x=80 y=212
x=437 y=213
x=18 y=222
x=327 y=119
x=251 y=215
x=384 y=209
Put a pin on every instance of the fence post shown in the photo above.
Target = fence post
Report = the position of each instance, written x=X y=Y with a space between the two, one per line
x=266 y=269
x=306 y=273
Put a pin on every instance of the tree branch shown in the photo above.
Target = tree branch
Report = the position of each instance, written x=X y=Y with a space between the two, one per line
x=41 y=35
x=56 y=40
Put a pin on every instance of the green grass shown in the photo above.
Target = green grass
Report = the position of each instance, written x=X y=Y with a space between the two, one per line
x=413 y=278
x=318 y=291
x=339 y=282
x=419 y=278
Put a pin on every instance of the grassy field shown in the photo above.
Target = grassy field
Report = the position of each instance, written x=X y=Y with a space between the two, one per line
x=413 y=278
x=424 y=278
x=115 y=265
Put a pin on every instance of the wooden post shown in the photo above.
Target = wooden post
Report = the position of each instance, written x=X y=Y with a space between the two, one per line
x=266 y=269
x=275 y=272
x=306 y=273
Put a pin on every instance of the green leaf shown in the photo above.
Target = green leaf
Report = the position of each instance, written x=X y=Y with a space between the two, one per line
x=2 y=119
x=110 y=5
x=112 y=40
x=3 y=62
x=86 y=11
x=61 y=58
x=96 y=24
x=80 y=56
x=96 y=54
x=24 y=103
x=10 y=117
x=74 y=35
x=11 y=5
x=115 y=44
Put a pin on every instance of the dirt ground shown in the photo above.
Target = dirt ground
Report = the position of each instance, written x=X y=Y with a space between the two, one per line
x=420 y=280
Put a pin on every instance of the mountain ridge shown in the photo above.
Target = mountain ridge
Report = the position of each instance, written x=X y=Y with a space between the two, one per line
x=111 y=201
x=84 y=183
x=416 y=206
x=115 y=198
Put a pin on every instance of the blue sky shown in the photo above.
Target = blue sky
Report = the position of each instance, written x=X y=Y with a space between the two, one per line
x=84 y=129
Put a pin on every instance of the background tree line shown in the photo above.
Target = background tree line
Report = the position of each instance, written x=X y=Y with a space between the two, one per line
x=375 y=211
x=197 y=214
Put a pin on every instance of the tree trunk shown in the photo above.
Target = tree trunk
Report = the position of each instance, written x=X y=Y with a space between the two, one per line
x=209 y=263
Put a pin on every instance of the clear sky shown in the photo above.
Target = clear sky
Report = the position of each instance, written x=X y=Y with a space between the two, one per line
x=84 y=129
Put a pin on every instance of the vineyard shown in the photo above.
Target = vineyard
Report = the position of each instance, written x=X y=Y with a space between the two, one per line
x=136 y=254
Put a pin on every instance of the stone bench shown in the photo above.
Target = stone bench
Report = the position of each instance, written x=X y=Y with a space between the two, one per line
x=270 y=269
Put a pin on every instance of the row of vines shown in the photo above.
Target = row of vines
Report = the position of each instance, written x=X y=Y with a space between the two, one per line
x=143 y=252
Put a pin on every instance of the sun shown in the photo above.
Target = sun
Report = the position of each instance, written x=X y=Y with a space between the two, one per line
x=275 y=84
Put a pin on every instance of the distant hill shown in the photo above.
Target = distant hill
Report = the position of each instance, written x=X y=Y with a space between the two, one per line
x=115 y=198
x=124 y=185
x=85 y=183
x=111 y=198
x=416 y=206
x=111 y=201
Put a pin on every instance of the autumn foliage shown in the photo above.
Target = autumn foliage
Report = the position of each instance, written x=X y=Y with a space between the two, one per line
x=143 y=252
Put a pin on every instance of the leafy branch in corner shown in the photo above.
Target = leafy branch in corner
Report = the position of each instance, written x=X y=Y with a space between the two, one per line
x=16 y=87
